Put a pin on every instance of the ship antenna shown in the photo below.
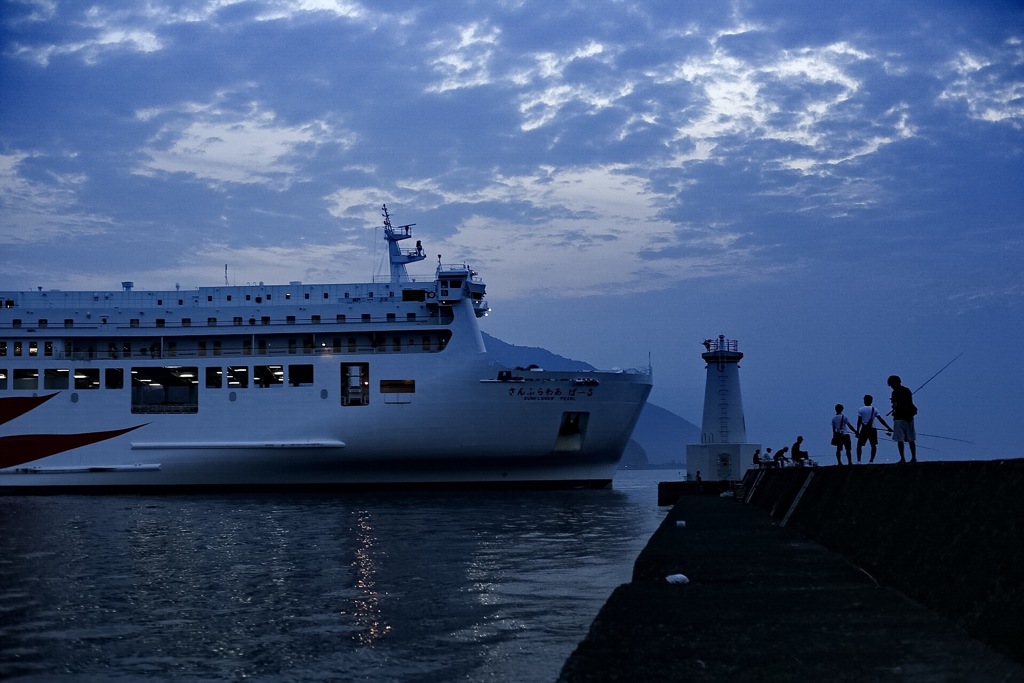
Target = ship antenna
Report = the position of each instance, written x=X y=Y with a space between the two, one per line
x=397 y=257
x=225 y=275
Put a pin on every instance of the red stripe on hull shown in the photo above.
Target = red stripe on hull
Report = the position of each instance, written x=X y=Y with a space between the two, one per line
x=22 y=448
x=16 y=406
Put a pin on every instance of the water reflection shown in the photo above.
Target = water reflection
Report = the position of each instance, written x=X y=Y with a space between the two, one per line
x=306 y=587
x=367 y=607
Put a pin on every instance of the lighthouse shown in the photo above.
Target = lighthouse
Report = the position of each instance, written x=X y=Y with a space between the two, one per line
x=723 y=453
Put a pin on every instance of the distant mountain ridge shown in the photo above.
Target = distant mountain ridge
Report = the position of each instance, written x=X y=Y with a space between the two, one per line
x=660 y=436
x=522 y=356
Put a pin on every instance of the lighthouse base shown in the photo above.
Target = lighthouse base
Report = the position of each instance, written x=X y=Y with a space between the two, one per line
x=719 y=461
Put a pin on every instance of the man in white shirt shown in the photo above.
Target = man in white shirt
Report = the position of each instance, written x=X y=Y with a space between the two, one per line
x=840 y=438
x=866 y=430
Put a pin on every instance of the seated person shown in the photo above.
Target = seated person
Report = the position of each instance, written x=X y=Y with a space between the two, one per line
x=798 y=454
x=780 y=456
x=757 y=457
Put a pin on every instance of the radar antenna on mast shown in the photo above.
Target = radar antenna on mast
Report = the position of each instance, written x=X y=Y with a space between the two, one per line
x=387 y=221
x=397 y=257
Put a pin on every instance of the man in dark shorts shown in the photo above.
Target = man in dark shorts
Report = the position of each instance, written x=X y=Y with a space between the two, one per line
x=840 y=438
x=866 y=430
x=903 y=412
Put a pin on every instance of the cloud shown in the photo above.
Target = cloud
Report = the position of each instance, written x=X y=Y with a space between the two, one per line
x=583 y=228
x=990 y=85
x=805 y=97
x=36 y=11
x=36 y=211
x=100 y=32
x=307 y=262
x=92 y=50
x=221 y=144
x=597 y=227
x=463 y=57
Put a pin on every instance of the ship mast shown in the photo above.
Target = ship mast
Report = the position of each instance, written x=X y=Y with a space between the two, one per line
x=396 y=256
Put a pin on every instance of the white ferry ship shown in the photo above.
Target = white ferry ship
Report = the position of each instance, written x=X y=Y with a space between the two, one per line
x=385 y=383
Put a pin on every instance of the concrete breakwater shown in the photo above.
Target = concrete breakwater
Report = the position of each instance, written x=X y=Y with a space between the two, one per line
x=884 y=572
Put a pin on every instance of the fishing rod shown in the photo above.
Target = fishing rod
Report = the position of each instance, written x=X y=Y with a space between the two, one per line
x=934 y=436
x=934 y=376
x=948 y=438
x=937 y=373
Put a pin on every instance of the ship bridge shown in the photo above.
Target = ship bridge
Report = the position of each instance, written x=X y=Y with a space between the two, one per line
x=457 y=281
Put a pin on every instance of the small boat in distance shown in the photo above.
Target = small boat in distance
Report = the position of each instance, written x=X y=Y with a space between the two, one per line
x=384 y=383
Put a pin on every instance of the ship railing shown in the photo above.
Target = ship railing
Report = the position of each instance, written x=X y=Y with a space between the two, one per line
x=385 y=279
x=37 y=331
x=449 y=269
x=328 y=350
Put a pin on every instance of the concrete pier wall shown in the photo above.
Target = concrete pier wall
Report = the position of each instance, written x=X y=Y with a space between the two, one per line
x=947 y=534
x=885 y=572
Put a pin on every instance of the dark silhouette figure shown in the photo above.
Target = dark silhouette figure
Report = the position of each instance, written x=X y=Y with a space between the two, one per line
x=840 y=437
x=866 y=430
x=798 y=454
x=780 y=457
x=903 y=412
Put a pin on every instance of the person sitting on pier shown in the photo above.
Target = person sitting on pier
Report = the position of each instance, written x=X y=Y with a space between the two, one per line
x=757 y=457
x=798 y=454
x=780 y=457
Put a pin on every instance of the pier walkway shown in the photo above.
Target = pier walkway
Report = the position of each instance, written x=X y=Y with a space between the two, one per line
x=770 y=602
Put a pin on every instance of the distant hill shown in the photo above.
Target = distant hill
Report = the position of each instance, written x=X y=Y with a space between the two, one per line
x=663 y=435
x=522 y=356
x=660 y=436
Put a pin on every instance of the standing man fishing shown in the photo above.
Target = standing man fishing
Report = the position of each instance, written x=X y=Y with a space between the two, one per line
x=903 y=412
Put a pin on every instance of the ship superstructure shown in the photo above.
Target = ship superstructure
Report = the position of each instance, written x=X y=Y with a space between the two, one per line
x=383 y=382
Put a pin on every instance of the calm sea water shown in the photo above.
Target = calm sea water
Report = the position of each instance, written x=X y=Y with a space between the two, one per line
x=438 y=586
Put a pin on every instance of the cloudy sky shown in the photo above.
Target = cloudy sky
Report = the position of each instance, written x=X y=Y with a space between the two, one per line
x=839 y=186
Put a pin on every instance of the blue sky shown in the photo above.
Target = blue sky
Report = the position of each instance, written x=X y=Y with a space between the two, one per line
x=840 y=188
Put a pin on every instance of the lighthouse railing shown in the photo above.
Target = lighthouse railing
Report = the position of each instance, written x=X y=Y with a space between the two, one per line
x=715 y=345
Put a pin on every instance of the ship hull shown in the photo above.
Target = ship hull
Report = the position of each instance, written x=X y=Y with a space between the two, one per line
x=461 y=427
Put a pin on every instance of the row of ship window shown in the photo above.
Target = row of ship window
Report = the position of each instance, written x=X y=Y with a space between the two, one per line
x=175 y=388
x=245 y=345
x=238 y=320
x=214 y=377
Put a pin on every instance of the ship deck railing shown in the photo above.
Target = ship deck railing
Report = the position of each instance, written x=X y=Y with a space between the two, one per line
x=385 y=349
x=419 y=321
